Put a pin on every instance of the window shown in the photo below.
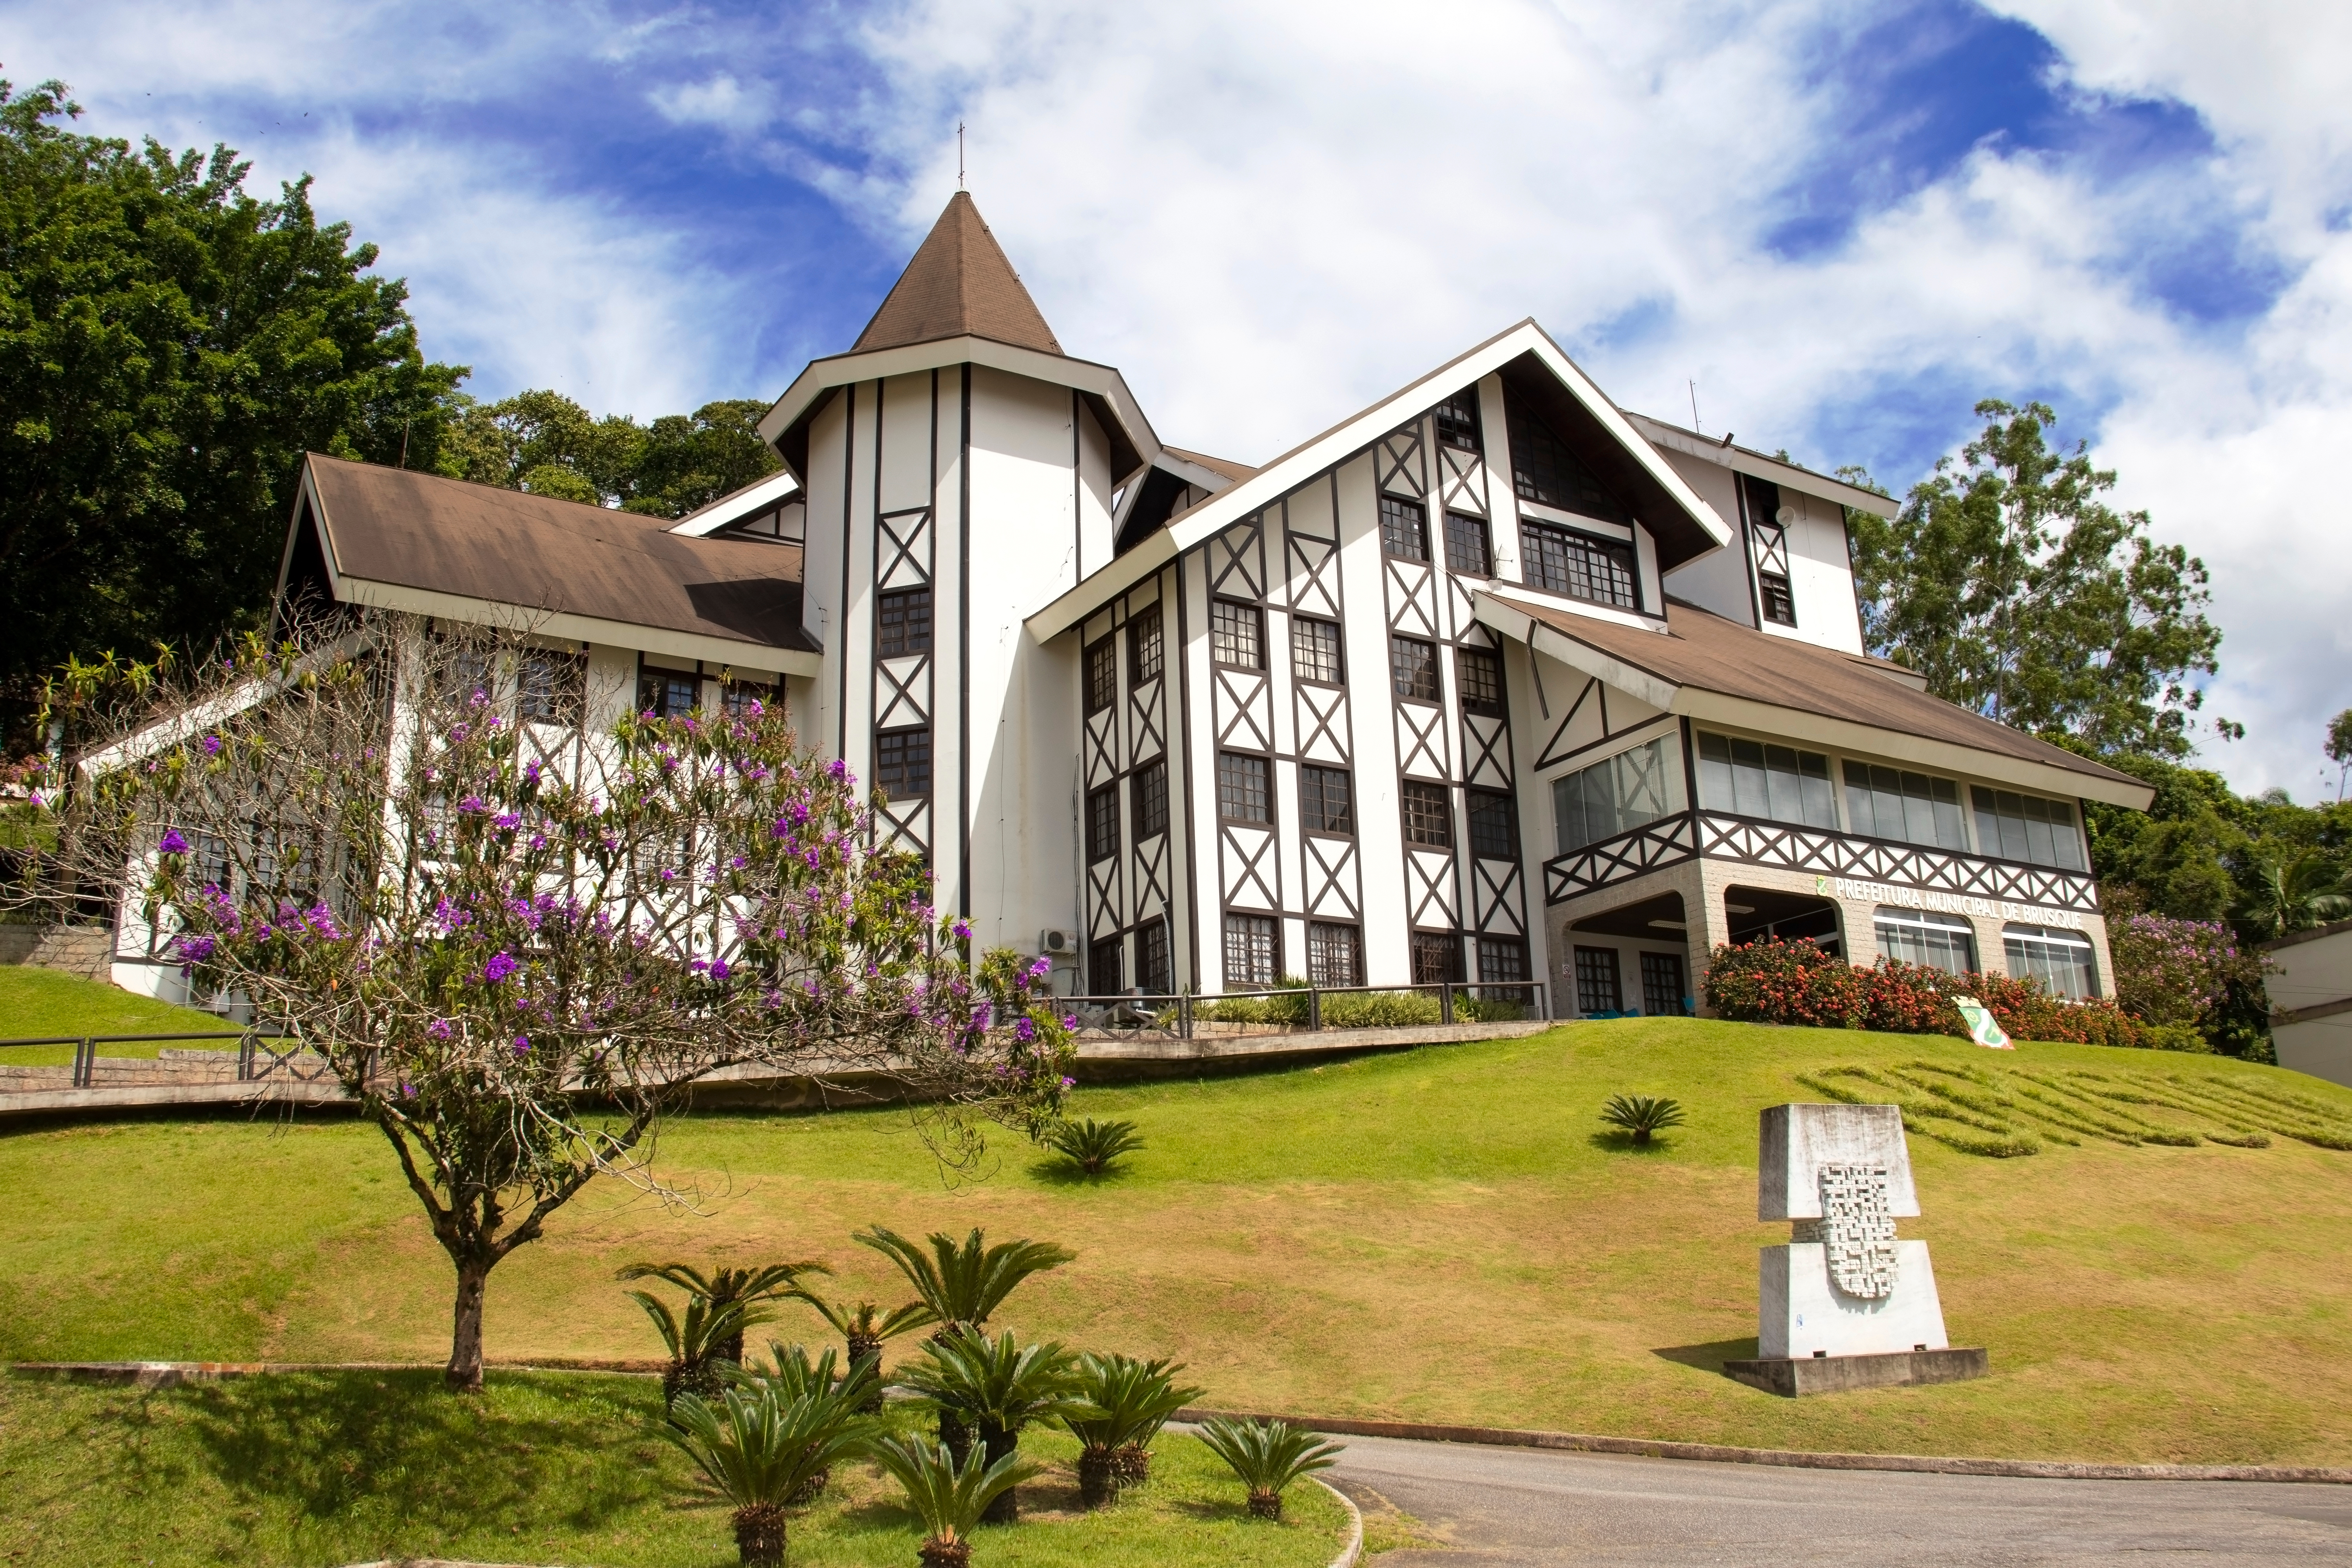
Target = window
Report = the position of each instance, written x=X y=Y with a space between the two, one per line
x=1928 y=938
x=1143 y=645
x=1545 y=470
x=1412 y=668
x=1479 y=674
x=1325 y=801
x=1662 y=994
x=208 y=861
x=736 y=697
x=1315 y=650
x=1579 y=565
x=2027 y=827
x=468 y=675
x=1236 y=633
x=1404 y=528
x=1428 y=817
x=902 y=624
x=1502 y=961
x=1335 y=954
x=1465 y=545
x=1632 y=789
x=902 y=762
x=1153 y=972
x=1102 y=823
x=2063 y=960
x=1493 y=833
x=1151 y=787
x=551 y=686
x=1102 y=675
x=1769 y=542
x=1887 y=802
x=1242 y=795
x=1596 y=981
x=1436 y=958
x=668 y=693
x=1457 y=420
x=1753 y=778
x=1252 y=952
x=1103 y=967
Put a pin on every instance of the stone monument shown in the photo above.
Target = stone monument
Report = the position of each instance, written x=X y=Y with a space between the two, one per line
x=1846 y=1303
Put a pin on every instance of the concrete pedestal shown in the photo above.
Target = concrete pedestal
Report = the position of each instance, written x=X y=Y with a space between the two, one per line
x=1802 y=1313
x=1793 y=1379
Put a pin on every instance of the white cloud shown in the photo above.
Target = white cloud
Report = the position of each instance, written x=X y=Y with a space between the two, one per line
x=719 y=101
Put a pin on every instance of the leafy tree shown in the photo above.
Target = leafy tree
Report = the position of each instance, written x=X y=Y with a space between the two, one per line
x=170 y=345
x=2293 y=894
x=2018 y=592
x=543 y=442
x=2339 y=748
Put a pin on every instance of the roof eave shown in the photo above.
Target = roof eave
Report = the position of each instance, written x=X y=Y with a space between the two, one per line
x=1748 y=460
x=741 y=652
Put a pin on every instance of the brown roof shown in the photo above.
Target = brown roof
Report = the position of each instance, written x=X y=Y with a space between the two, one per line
x=958 y=284
x=535 y=552
x=1234 y=471
x=1704 y=651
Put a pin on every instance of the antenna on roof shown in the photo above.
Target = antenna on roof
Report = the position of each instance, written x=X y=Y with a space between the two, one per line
x=959 y=154
x=1693 y=392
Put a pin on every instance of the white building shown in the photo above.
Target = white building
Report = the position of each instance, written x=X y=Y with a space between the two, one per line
x=1493 y=681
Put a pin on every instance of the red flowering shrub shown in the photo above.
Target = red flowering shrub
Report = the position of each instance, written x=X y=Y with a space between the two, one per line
x=1776 y=981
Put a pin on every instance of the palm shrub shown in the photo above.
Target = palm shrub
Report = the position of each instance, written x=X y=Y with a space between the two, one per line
x=986 y=1391
x=1267 y=1456
x=796 y=1376
x=693 y=1339
x=948 y=1495
x=864 y=1328
x=963 y=1282
x=1094 y=1146
x=1641 y=1115
x=758 y=1450
x=1132 y=1400
x=750 y=1286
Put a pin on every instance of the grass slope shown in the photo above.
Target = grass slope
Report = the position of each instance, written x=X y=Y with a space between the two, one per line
x=35 y=1003
x=1440 y=1235
x=353 y=1466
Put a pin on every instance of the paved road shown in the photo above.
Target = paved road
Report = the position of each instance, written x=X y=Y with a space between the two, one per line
x=1518 y=1506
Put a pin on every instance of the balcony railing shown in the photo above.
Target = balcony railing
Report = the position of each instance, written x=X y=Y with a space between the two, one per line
x=1818 y=852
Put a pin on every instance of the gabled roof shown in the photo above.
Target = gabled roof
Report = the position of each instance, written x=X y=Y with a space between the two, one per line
x=759 y=496
x=1709 y=667
x=437 y=547
x=958 y=285
x=1225 y=467
x=1664 y=434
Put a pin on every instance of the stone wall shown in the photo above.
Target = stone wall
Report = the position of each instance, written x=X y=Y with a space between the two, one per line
x=84 y=951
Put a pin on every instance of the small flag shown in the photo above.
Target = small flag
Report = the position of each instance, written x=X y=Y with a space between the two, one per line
x=1983 y=1028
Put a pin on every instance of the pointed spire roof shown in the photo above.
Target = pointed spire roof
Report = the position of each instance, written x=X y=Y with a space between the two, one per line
x=958 y=284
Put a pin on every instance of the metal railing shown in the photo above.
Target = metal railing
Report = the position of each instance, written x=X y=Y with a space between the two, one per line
x=256 y=1056
x=1139 y=1015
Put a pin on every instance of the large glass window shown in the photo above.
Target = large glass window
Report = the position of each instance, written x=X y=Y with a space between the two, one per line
x=1756 y=778
x=1324 y=801
x=1663 y=994
x=1561 y=561
x=1889 y=803
x=1253 y=952
x=1927 y=937
x=1103 y=966
x=1457 y=420
x=1494 y=835
x=1335 y=954
x=1596 y=981
x=1436 y=958
x=1143 y=645
x=1428 y=817
x=1102 y=675
x=1242 y=795
x=551 y=686
x=1150 y=785
x=902 y=762
x=1412 y=668
x=1404 y=528
x=1465 y=545
x=1153 y=971
x=1545 y=470
x=1627 y=791
x=1315 y=650
x=1502 y=961
x=1479 y=674
x=1236 y=633
x=1102 y=823
x=2027 y=827
x=902 y=623
x=668 y=693
x=2061 y=960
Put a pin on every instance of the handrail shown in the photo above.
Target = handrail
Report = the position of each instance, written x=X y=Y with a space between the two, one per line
x=1142 y=1007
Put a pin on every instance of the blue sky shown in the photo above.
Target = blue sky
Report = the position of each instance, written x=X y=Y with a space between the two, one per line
x=1845 y=223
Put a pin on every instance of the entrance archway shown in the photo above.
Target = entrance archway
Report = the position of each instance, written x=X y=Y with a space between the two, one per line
x=1751 y=914
x=1634 y=959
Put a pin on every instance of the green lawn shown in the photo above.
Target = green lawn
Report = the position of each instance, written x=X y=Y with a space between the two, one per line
x=39 y=1003
x=1440 y=1234
x=349 y=1467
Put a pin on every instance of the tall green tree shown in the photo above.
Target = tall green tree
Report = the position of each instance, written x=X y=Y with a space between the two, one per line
x=2018 y=592
x=170 y=345
x=543 y=442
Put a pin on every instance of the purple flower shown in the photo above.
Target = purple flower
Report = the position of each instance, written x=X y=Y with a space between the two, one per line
x=522 y=1046
x=1042 y=968
x=407 y=1090
x=172 y=843
x=962 y=929
x=530 y=770
x=1069 y=1020
x=212 y=745
x=438 y=1028
x=509 y=821
x=195 y=949
x=501 y=965
x=1069 y=1083
x=719 y=968
x=1024 y=1031
x=472 y=803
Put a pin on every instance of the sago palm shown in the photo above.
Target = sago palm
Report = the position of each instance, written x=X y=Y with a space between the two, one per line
x=693 y=1338
x=750 y=1286
x=1641 y=1115
x=986 y=1391
x=1132 y=1401
x=864 y=1327
x=948 y=1496
x=963 y=1282
x=794 y=1376
x=1094 y=1146
x=758 y=1451
x=1267 y=1456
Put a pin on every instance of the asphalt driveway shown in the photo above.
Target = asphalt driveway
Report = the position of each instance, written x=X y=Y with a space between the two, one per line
x=1519 y=1505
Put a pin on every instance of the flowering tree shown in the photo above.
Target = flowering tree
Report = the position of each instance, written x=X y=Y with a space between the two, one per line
x=2177 y=972
x=518 y=938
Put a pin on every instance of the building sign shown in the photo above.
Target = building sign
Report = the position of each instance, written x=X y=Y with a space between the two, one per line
x=1948 y=903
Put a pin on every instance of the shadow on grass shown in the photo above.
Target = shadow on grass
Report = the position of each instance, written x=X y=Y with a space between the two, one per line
x=1623 y=1143
x=1060 y=1171
x=1710 y=1356
x=394 y=1448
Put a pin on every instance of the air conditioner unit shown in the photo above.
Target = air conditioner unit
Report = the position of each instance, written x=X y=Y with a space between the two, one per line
x=1065 y=942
